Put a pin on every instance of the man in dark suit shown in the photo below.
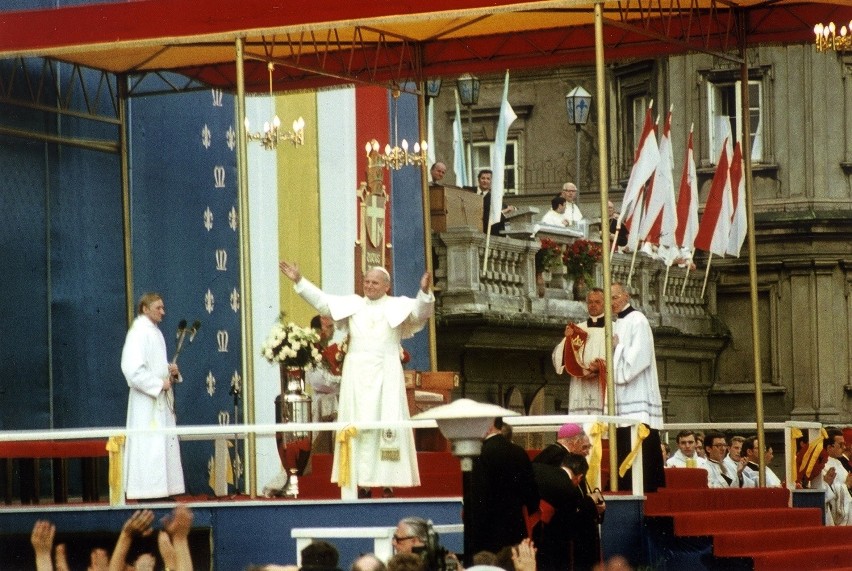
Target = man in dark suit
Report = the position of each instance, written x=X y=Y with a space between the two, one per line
x=502 y=485
x=556 y=535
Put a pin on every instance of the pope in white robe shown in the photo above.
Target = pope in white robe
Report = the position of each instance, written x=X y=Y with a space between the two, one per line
x=152 y=465
x=372 y=386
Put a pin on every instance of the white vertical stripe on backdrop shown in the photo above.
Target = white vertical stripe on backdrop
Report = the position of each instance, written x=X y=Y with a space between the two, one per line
x=338 y=182
x=265 y=280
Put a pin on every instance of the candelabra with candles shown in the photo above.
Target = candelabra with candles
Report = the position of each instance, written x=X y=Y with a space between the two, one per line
x=272 y=132
x=397 y=156
x=827 y=37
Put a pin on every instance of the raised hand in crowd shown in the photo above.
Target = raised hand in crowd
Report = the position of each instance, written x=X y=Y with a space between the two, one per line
x=98 y=560
x=139 y=524
x=523 y=556
x=42 y=541
x=173 y=540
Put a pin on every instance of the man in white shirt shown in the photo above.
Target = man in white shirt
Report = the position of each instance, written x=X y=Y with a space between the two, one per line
x=554 y=216
x=685 y=456
x=734 y=460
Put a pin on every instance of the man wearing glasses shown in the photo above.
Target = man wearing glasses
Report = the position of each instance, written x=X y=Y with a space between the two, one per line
x=718 y=473
x=410 y=534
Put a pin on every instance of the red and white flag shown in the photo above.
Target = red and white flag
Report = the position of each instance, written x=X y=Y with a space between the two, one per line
x=739 y=221
x=715 y=226
x=687 y=201
x=659 y=221
x=646 y=160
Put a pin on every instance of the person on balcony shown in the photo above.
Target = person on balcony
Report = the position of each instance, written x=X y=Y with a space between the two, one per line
x=372 y=386
x=554 y=216
x=484 y=180
x=572 y=214
x=437 y=172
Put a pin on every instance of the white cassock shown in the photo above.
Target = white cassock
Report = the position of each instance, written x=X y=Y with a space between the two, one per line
x=372 y=386
x=572 y=214
x=718 y=475
x=838 y=502
x=584 y=395
x=152 y=466
x=637 y=387
x=679 y=460
x=751 y=477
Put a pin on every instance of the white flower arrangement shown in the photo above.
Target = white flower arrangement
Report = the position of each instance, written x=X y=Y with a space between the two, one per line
x=292 y=346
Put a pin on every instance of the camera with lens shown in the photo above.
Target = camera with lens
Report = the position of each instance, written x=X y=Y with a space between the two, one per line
x=436 y=557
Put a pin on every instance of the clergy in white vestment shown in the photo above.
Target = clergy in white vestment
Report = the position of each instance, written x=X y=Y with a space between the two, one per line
x=751 y=472
x=553 y=217
x=586 y=393
x=571 y=215
x=718 y=473
x=637 y=386
x=835 y=481
x=372 y=386
x=152 y=465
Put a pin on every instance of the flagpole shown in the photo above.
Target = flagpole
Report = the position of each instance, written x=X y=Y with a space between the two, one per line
x=603 y=182
x=752 y=254
x=685 y=277
x=427 y=218
x=706 y=274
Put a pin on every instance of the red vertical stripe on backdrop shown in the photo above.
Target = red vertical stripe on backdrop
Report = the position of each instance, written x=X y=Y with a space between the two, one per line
x=371 y=122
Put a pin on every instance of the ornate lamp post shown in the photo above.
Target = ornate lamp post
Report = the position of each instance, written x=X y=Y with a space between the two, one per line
x=468 y=86
x=578 y=101
x=464 y=423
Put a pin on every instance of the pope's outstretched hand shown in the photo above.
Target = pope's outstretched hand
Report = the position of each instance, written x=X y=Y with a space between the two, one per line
x=291 y=271
x=426 y=282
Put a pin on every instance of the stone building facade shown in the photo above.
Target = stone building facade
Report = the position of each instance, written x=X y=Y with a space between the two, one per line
x=801 y=120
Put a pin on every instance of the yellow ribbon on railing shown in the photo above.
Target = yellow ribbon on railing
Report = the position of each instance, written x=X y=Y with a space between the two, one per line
x=813 y=452
x=595 y=435
x=644 y=431
x=344 y=466
x=795 y=434
x=115 y=447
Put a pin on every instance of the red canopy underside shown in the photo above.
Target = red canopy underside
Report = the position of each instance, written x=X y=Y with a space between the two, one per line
x=325 y=42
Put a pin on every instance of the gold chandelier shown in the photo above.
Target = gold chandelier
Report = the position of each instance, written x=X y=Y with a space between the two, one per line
x=827 y=37
x=397 y=156
x=272 y=132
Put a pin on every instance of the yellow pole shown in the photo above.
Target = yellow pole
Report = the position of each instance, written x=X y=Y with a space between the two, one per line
x=752 y=254
x=245 y=272
x=125 y=197
x=427 y=222
x=603 y=165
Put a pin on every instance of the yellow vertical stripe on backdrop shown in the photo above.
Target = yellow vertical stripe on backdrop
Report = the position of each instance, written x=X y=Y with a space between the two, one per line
x=298 y=203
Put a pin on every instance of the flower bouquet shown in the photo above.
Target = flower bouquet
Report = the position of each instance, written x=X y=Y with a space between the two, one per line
x=292 y=346
x=550 y=254
x=580 y=259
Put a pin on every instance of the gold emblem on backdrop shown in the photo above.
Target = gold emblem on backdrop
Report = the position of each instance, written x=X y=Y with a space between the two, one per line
x=373 y=243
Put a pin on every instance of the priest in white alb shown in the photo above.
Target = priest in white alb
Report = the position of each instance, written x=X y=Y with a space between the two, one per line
x=372 y=386
x=152 y=466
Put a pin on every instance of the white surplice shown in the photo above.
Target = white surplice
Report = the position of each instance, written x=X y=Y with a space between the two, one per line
x=152 y=466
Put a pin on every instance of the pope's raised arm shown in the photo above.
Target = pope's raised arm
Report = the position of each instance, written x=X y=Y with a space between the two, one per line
x=291 y=271
x=426 y=282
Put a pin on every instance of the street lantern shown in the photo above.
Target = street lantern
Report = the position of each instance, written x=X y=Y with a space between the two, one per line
x=468 y=88
x=579 y=103
x=464 y=422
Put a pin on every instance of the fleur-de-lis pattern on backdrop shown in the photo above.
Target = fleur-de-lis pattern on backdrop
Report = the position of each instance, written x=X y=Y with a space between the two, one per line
x=189 y=251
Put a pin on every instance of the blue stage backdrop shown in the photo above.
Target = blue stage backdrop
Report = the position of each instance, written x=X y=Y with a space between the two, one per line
x=185 y=246
x=407 y=226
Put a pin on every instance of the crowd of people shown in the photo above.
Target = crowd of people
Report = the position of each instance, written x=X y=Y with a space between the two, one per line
x=173 y=551
x=733 y=461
